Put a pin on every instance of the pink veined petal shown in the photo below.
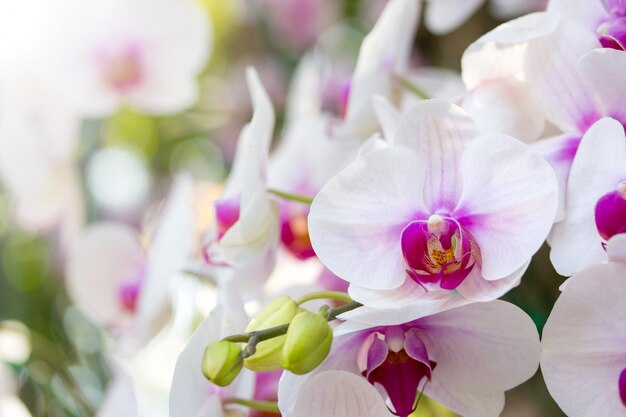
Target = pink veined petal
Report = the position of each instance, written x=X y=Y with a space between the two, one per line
x=583 y=343
x=443 y=16
x=603 y=69
x=439 y=132
x=357 y=218
x=552 y=69
x=104 y=257
x=599 y=166
x=482 y=348
x=339 y=394
x=509 y=202
x=465 y=403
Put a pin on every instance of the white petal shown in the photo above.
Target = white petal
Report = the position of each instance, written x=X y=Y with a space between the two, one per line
x=465 y=403
x=339 y=394
x=510 y=195
x=552 y=70
x=616 y=248
x=583 y=343
x=508 y=107
x=439 y=132
x=501 y=52
x=120 y=398
x=443 y=16
x=599 y=166
x=604 y=69
x=357 y=218
x=482 y=348
x=587 y=13
x=388 y=117
x=104 y=257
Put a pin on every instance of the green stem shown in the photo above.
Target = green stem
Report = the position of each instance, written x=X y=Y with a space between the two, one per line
x=266 y=334
x=408 y=85
x=267 y=406
x=324 y=295
x=291 y=197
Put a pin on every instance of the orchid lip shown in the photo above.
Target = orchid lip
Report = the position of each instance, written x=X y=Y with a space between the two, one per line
x=610 y=213
x=438 y=251
x=398 y=361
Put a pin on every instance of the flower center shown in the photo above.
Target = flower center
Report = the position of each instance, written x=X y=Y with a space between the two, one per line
x=130 y=289
x=438 y=251
x=123 y=70
x=295 y=235
x=226 y=215
x=610 y=213
x=622 y=386
x=398 y=361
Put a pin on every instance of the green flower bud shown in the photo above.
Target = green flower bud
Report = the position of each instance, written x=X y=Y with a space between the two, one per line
x=267 y=355
x=308 y=342
x=222 y=362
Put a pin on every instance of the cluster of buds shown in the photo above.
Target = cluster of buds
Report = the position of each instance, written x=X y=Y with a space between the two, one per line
x=282 y=335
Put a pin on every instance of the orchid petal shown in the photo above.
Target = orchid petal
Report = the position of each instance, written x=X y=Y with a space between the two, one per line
x=482 y=348
x=510 y=195
x=439 y=132
x=599 y=166
x=583 y=343
x=357 y=218
x=465 y=403
x=603 y=69
x=339 y=394
x=443 y=16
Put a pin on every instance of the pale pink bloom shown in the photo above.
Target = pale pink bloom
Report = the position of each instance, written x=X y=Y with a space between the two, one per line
x=463 y=358
x=443 y=214
x=146 y=54
x=583 y=358
x=596 y=199
x=124 y=287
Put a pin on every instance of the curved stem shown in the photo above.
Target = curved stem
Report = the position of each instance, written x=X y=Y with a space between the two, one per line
x=291 y=197
x=266 y=334
x=324 y=295
x=409 y=86
x=267 y=406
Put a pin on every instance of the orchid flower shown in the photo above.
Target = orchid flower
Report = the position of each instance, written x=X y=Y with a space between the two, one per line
x=442 y=212
x=123 y=287
x=464 y=358
x=559 y=62
x=247 y=220
x=110 y=53
x=596 y=199
x=583 y=356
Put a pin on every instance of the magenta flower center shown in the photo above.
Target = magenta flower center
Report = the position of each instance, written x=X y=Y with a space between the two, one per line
x=294 y=234
x=130 y=289
x=622 y=386
x=610 y=213
x=396 y=360
x=612 y=32
x=226 y=215
x=438 y=252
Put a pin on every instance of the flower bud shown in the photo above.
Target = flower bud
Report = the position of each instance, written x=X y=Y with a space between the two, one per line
x=267 y=355
x=222 y=362
x=308 y=342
